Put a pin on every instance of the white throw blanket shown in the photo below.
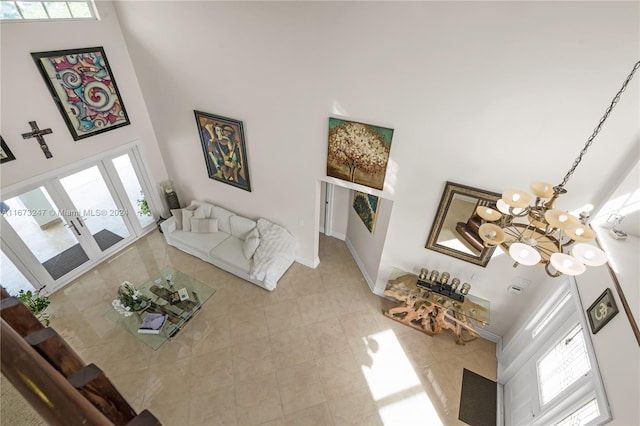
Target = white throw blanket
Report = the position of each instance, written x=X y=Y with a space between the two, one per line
x=274 y=255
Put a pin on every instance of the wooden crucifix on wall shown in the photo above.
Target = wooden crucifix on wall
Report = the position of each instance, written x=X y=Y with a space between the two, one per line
x=38 y=134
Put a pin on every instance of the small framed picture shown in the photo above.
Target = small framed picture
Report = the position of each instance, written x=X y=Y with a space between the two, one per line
x=5 y=152
x=601 y=311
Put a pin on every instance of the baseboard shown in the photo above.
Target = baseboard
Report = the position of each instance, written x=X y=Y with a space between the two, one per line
x=366 y=276
x=308 y=263
x=487 y=335
x=339 y=236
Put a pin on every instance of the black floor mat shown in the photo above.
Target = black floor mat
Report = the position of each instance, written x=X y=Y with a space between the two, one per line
x=478 y=401
x=75 y=256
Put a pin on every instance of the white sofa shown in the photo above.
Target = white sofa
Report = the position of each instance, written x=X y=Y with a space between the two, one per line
x=259 y=252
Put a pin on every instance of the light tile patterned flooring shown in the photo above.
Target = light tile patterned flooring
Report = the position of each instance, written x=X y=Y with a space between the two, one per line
x=316 y=351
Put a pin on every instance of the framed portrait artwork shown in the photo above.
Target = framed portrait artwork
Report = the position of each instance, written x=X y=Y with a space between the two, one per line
x=224 y=149
x=84 y=89
x=358 y=152
x=5 y=152
x=601 y=311
x=366 y=206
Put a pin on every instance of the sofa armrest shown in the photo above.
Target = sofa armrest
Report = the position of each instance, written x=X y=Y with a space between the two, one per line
x=168 y=226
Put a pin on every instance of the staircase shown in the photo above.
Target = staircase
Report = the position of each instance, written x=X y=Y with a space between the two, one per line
x=53 y=379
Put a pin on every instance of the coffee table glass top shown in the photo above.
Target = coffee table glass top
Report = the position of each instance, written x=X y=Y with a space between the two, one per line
x=157 y=288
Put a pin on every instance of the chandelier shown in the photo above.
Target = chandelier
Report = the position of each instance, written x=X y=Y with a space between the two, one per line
x=536 y=233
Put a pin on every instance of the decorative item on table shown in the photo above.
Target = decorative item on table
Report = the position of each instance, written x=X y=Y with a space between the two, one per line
x=152 y=323
x=440 y=284
x=178 y=296
x=174 y=297
x=129 y=300
x=423 y=274
x=170 y=280
x=533 y=232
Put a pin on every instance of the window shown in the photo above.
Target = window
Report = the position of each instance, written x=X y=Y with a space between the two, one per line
x=20 y=11
x=565 y=363
x=582 y=415
x=553 y=378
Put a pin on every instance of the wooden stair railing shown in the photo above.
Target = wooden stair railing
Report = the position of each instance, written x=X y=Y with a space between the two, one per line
x=54 y=379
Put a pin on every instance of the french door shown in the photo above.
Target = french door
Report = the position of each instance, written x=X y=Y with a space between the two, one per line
x=61 y=225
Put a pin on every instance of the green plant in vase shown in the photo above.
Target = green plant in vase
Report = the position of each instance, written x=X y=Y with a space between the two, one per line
x=129 y=300
x=36 y=304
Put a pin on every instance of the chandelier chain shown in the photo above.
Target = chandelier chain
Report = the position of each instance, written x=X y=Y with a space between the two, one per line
x=615 y=100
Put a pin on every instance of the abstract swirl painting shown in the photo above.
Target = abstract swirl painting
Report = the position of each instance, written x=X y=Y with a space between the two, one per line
x=83 y=87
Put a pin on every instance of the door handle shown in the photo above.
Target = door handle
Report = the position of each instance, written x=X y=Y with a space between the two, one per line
x=80 y=221
x=73 y=225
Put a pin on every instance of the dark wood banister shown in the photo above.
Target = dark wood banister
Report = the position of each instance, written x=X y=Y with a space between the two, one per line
x=53 y=379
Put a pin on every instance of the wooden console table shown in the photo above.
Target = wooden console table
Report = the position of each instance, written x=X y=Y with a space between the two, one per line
x=431 y=312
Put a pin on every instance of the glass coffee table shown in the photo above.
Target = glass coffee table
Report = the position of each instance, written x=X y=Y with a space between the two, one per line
x=160 y=289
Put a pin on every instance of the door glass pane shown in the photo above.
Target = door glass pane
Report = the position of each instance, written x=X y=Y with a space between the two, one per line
x=565 y=363
x=11 y=278
x=38 y=222
x=90 y=195
x=133 y=188
x=582 y=416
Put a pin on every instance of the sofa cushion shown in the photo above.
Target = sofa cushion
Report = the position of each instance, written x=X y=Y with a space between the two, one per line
x=201 y=243
x=223 y=216
x=177 y=213
x=186 y=219
x=204 y=226
x=241 y=226
x=249 y=246
x=206 y=207
x=230 y=251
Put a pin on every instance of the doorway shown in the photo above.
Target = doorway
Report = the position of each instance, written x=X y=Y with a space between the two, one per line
x=63 y=224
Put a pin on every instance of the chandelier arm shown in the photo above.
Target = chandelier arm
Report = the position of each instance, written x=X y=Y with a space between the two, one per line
x=558 y=189
x=546 y=251
x=551 y=274
x=514 y=233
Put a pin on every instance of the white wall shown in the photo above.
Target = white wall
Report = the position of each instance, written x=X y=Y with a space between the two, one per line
x=25 y=96
x=469 y=87
x=616 y=347
x=366 y=246
x=477 y=92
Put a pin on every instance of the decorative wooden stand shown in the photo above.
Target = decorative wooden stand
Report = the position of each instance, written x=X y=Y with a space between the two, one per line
x=429 y=312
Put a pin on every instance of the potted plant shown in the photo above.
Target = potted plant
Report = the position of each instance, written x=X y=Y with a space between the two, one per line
x=36 y=304
x=144 y=207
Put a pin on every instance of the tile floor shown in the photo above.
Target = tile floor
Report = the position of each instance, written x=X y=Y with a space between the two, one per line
x=316 y=351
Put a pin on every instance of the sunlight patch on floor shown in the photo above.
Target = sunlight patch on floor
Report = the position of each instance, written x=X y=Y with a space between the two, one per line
x=394 y=384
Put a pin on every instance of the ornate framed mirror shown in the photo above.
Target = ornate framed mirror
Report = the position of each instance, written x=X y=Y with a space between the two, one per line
x=455 y=227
